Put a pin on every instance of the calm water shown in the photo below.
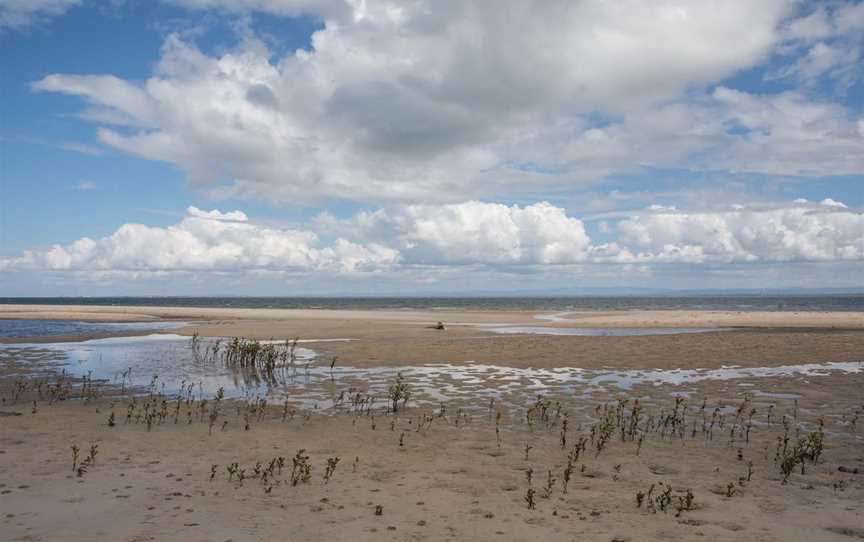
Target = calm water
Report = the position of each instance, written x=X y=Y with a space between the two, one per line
x=852 y=302
x=310 y=383
x=10 y=329
x=133 y=362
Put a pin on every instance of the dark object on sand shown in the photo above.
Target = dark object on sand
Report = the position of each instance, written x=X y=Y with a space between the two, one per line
x=850 y=470
x=439 y=325
x=4 y=413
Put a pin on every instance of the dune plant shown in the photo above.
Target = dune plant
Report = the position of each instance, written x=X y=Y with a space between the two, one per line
x=550 y=484
x=301 y=470
x=398 y=392
x=685 y=502
x=83 y=467
x=330 y=468
x=94 y=449
x=333 y=361
x=563 y=436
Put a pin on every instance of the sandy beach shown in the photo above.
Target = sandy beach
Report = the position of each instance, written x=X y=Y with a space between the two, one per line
x=635 y=318
x=667 y=459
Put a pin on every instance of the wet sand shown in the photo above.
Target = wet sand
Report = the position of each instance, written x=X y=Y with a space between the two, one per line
x=457 y=478
x=391 y=338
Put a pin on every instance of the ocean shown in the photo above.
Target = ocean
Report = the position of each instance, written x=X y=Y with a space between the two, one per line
x=850 y=302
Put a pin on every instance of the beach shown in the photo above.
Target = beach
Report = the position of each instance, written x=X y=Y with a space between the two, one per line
x=696 y=411
x=391 y=338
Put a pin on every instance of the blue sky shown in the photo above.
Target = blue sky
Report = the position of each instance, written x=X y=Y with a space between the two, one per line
x=42 y=139
x=441 y=147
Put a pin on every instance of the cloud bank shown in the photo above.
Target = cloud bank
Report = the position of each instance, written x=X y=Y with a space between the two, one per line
x=826 y=232
x=471 y=233
x=202 y=241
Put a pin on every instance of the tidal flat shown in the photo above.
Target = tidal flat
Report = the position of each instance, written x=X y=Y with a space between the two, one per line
x=352 y=428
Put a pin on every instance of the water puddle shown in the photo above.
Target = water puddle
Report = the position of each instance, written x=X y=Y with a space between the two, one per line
x=310 y=382
x=555 y=317
x=18 y=328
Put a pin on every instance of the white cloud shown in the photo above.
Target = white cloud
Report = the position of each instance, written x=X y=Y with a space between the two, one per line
x=206 y=241
x=833 y=203
x=799 y=232
x=788 y=134
x=21 y=13
x=849 y=17
x=473 y=232
x=429 y=100
x=824 y=43
x=812 y=26
x=231 y=216
x=471 y=235
x=728 y=130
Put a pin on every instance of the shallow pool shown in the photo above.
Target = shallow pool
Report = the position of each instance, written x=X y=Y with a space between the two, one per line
x=25 y=328
x=133 y=362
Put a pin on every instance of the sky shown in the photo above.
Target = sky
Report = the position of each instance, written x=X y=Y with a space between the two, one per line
x=306 y=147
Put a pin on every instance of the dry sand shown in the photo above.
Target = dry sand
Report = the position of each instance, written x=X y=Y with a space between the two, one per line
x=641 y=319
x=450 y=481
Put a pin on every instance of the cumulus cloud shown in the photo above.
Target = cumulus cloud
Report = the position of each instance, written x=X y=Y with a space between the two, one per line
x=448 y=100
x=473 y=232
x=800 y=232
x=833 y=203
x=206 y=241
x=398 y=239
x=232 y=216
x=21 y=13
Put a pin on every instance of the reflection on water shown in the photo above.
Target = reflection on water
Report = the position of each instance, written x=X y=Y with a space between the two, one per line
x=308 y=382
x=10 y=329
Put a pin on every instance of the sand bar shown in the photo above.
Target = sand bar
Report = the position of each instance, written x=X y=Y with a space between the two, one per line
x=393 y=338
x=655 y=318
